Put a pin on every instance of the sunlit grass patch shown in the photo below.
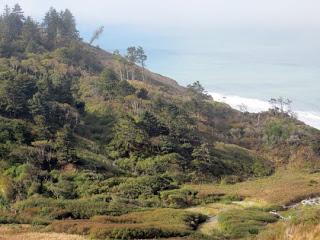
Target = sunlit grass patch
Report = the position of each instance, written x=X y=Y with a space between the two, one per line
x=285 y=186
x=304 y=224
x=244 y=222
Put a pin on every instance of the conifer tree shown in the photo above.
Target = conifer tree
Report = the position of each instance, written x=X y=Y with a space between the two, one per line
x=64 y=146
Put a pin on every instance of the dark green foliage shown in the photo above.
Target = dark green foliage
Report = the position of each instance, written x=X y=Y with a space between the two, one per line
x=68 y=25
x=128 y=138
x=76 y=54
x=142 y=93
x=109 y=83
x=111 y=87
x=15 y=92
x=196 y=88
x=145 y=186
x=59 y=27
x=62 y=187
x=178 y=198
x=125 y=88
x=12 y=131
x=98 y=127
x=19 y=35
x=278 y=130
x=64 y=145
x=169 y=163
x=206 y=163
x=152 y=125
x=31 y=36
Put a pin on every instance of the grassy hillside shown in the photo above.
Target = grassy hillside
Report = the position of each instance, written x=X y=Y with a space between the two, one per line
x=91 y=143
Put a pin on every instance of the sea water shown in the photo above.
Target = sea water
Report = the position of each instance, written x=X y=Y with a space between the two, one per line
x=250 y=70
x=237 y=66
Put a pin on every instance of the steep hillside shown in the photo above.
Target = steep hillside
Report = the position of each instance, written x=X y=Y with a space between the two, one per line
x=85 y=133
x=108 y=60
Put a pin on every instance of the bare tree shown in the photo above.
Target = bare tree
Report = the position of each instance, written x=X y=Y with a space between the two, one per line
x=96 y=34
x=243 y=109
x=120 y=62
x=282 y=105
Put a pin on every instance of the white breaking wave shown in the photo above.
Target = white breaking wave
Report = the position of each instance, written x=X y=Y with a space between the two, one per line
x=310 y=118
x=253 y=105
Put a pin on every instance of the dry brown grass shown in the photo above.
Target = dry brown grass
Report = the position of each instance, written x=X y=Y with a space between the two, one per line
x=27 y=232
x=284 y=231
x=285 y=186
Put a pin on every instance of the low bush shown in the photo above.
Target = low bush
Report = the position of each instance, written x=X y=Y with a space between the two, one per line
x=160 y=216
x=158 y=223
x=59 y=209
x=231 y=179
x=137 y=231
x=21 y=218
x=240 y=223
x=178 y=198
x=218 y=197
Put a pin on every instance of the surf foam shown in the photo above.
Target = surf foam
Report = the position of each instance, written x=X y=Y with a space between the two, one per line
x=253 y=105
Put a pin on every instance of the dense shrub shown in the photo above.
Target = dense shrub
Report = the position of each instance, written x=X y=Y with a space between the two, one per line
x=160 y=164
x=14 y=131
x=52 y=209
x=148 y=186
x=7 y=217
x=278 y=130
x=178 y=198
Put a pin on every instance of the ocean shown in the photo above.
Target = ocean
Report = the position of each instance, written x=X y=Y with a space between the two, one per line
x=251 y=72
x=237 y=66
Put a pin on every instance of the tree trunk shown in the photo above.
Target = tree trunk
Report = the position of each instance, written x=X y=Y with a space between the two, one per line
x=133 y=73
x=127 y=73
x=120 y=72
x=143 y=77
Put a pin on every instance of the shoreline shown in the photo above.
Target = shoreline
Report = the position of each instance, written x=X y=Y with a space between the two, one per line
x=311 y=118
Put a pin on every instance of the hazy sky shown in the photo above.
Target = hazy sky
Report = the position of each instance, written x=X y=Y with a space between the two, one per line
x=184 y=13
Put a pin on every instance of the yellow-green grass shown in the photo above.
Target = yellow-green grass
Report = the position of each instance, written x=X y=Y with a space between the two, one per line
x=244 y=223
x=210 y=210
x=284 y=187
x=214 y=209
x=284 y=231
x=304 y=224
